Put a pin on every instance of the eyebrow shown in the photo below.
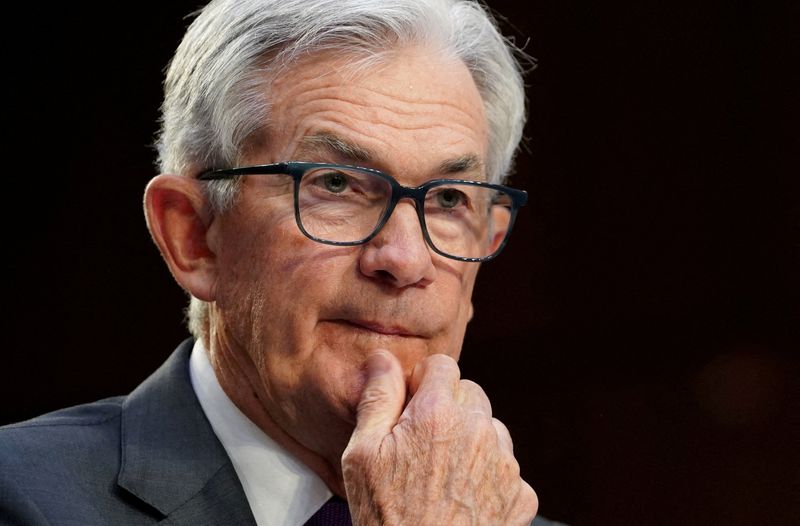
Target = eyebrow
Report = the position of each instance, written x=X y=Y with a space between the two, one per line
x=338 y=147
x=465 y=163
x=357 y=154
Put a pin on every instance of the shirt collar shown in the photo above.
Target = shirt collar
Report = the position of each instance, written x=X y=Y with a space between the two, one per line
x=279 y=488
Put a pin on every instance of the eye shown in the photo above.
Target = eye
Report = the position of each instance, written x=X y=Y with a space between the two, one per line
x=450 y=198
x=335 y=182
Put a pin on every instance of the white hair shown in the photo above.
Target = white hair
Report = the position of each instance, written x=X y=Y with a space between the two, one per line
x=217 y=85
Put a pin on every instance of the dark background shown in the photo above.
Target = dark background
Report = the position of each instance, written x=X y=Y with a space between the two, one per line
x=640 y=334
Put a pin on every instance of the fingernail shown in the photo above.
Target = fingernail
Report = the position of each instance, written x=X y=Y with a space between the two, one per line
x=378 y=363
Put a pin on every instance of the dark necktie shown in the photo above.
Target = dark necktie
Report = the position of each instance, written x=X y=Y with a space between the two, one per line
x=333 y=513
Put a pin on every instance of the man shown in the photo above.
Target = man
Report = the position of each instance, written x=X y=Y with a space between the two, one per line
x=329 y=187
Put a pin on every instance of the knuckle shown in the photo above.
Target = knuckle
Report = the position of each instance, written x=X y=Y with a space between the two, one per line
x=524 y=506
x=473 y=395
x=470 y=385
x=503 y=436
x=529 y=501
x=362 y=457
x=373 y=395
x=480 y=426
x=500 y=427
x=435 y=372
x=443 y=362
x=473 y=390
x=443 y=359
x=356 y=453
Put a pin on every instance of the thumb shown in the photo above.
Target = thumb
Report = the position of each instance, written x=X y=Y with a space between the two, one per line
x=382 y=399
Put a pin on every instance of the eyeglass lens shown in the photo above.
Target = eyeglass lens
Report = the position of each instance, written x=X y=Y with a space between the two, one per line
x=344 y=206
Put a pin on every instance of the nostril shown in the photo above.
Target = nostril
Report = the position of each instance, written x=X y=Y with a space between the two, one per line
x=380 y=275
x=384 y=275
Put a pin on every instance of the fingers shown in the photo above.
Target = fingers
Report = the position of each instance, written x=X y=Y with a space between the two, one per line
x=437 y=372
x=527 y=502
x=473 y=399
x=503 y=436
x=438 y=377
x=408 y=463
x=382 y=399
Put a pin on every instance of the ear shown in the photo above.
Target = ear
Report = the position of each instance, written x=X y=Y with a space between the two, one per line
x=179 y=222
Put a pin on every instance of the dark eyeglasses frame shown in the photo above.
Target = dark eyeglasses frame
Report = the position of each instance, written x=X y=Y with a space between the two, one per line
x=296 y=170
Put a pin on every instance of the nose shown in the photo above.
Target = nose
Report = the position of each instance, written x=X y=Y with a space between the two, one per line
x=399 y=254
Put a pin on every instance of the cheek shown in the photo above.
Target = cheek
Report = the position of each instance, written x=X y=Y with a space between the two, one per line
x=462 y=311
x=257 y=253
x=261 y=247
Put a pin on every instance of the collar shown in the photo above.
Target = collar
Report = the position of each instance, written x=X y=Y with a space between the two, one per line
x=279 y=488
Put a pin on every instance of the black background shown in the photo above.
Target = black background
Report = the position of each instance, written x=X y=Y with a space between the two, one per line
x=640 y=334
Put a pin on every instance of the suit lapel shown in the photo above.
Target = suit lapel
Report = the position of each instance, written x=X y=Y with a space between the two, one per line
x=220 y=501
x=171 y=458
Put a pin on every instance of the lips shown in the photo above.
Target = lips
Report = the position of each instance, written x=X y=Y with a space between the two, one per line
x=378 y=328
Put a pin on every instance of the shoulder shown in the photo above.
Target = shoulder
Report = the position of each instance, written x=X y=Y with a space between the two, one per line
x=110 y=462
x=53 y=458
x=78 y=427
x=85 y=414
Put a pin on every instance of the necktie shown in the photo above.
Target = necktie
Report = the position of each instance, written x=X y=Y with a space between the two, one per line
x=333 y=513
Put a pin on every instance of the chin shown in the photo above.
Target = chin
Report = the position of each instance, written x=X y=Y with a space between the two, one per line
x=339 y=387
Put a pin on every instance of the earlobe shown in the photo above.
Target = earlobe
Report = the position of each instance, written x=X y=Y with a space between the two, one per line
x=178 y=220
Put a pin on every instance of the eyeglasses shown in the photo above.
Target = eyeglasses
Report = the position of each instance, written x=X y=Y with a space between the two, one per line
x=348 y=205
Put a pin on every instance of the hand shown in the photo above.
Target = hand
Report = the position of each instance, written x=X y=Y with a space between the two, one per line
x=442 y=459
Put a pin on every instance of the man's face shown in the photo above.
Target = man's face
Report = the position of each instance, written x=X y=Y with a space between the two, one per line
x=299 y=316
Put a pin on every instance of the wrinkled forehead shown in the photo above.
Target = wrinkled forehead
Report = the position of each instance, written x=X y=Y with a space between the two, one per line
x=412 y=99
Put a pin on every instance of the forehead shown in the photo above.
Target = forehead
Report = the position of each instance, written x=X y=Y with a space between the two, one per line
x=413 y=102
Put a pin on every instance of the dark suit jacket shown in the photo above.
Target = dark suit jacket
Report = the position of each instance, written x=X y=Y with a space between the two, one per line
x=139 y=459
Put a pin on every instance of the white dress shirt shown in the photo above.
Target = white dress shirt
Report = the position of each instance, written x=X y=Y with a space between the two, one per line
x=280 y=489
